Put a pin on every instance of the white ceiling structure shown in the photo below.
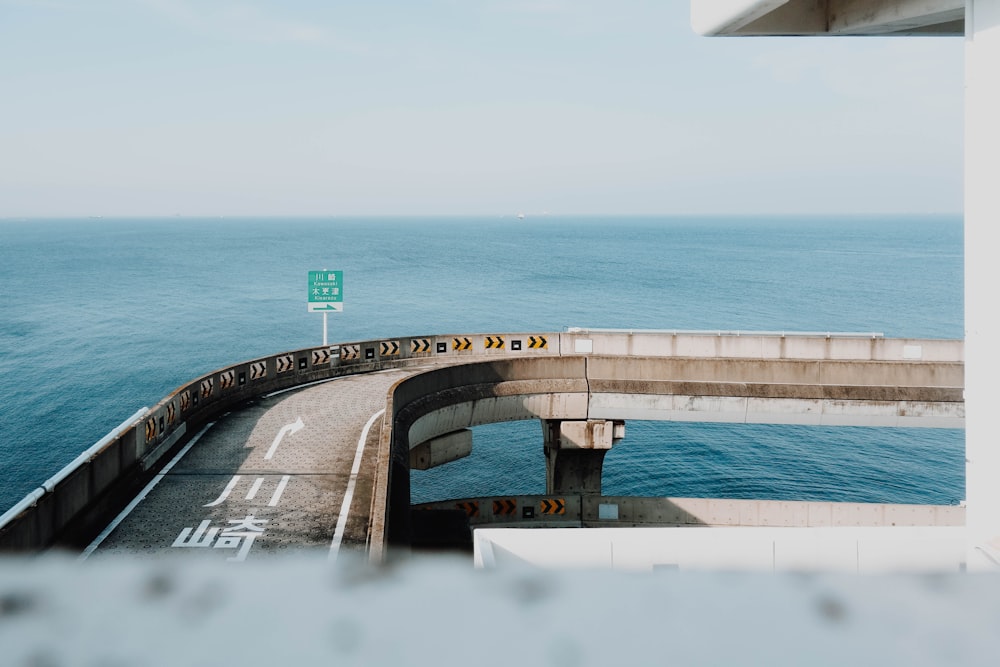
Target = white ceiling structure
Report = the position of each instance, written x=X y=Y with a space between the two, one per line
x=828 y=17
x=978 y=21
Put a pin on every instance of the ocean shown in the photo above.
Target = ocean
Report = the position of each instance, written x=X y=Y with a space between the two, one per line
x=100 y=317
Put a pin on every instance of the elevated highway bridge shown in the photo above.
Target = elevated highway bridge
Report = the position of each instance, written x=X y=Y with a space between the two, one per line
x=311 y=449
x=92 y=487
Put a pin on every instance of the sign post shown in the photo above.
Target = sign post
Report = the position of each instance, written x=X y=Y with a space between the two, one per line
x=326 y=294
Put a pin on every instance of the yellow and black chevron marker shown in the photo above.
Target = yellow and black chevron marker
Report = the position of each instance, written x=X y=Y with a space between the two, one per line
x=504 y=506
x=470 y=507
x=258 y=370
x=537 y=343
x=494 y=343
x=461 y=344
x=227 y=379
x=388 y=348
x=420 y=345
x=349 y=352
x=206 y=387
x=170 y=412
x=150 y=429
x=285 y=363
x=553 y=506
x=185 y=400
x=320 y=357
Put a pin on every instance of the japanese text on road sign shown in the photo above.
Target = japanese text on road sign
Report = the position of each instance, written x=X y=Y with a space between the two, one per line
x=326 y=291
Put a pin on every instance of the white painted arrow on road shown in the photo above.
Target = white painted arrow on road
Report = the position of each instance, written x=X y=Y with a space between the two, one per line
x=285 y=430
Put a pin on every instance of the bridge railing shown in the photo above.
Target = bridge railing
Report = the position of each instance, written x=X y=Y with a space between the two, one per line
x=606 y=511
x=759 y=345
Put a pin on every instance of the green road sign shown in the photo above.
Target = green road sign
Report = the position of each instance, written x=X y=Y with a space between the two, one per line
x=326 y=291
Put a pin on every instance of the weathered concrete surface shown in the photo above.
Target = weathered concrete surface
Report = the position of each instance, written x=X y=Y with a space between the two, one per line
x=807 y=391
x=748 y=345
x=552 y=510
x=444 y=449
x=574 y=454
x=300 y=611
x=573 y=388
x=856 y=550
x=589 y=434
x=754 y=410
x=779 y=378
x=873 y=393
x=269 y=478
x=446 y=399
x=888 y=393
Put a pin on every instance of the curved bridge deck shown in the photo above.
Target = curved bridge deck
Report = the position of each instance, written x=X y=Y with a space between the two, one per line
x=310 y=449
x=273 y=476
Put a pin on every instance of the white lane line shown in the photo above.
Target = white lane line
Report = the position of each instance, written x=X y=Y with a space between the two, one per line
x=138 y=499
x=255 y=488
x=278 y=491
x=345 y=507
x=294 y=427
x=225 y=492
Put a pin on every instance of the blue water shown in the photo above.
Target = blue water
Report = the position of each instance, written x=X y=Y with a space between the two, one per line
x=101 y=317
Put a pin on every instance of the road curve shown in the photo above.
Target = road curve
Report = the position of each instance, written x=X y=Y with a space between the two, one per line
x=269 y=478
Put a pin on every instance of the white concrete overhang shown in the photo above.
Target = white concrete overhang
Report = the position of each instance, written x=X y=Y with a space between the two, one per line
x=828 y=17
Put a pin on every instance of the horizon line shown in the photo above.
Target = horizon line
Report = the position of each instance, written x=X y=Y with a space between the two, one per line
x=515 y=216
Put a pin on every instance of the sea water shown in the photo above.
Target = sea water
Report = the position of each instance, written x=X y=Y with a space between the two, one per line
x=99 y=318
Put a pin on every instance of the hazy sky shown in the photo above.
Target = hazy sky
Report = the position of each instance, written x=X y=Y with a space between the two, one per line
x=328 y=107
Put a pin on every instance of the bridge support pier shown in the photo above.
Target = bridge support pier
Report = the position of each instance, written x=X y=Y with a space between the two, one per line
x=574 y=453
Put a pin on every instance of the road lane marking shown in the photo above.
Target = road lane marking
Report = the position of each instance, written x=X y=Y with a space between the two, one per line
x=345 y=507
x=92 y=547
x=255 y=488
x=286 y=429
x=278 y=491
x=225 y=492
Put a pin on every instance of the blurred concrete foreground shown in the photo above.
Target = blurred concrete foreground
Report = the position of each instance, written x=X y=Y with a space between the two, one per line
x=55 y=610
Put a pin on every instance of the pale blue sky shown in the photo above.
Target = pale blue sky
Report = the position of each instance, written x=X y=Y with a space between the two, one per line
x=239 y=107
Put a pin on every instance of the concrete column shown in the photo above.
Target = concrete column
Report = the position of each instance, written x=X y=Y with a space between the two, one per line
x=982 y=250
x=574 y=453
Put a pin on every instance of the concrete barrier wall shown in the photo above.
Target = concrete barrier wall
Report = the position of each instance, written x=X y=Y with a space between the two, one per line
x=447 y=399
x=66 y=509
x=860 y=550
x=534 y=511
x=810 y=392
x=750 y=345
x=781 y=377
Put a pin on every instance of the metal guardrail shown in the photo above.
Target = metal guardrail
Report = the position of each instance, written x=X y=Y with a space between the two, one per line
x=50 y=484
